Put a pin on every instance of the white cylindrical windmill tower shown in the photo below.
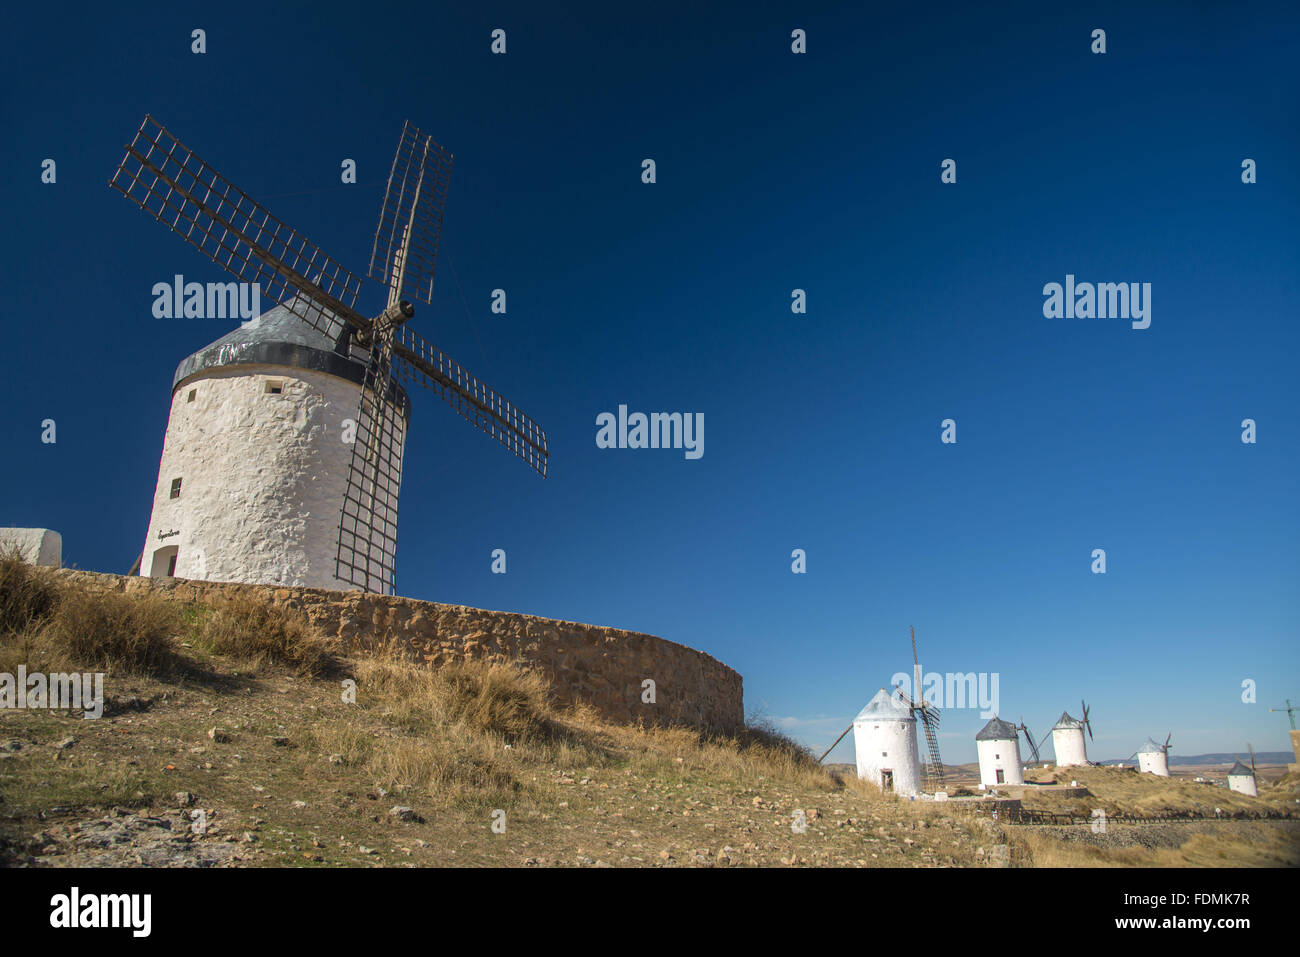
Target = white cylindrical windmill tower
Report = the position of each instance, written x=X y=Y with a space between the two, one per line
x=256 y=458
x=884 y=736
x=1153 y=759
x=1068 y=743
x=1242 y=780
x=997 y=746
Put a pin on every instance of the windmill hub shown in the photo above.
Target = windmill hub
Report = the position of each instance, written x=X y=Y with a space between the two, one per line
x=387 y=321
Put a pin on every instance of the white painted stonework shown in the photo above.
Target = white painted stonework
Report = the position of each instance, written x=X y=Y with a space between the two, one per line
x=1069 y=746
x=37 y=546
x=1153 y=762
x=1001 y=756
x=262 y=477
x=887 y=742
x=1243 y=784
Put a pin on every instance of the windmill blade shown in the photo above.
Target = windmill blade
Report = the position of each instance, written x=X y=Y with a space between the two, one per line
x=410 y=220
x=1033 y=748
x=164 y=177
x=427 y=365
x=1252 y=756
x=1167 y=739
x=1086 y=723
x=367 y=544
x=934 y=767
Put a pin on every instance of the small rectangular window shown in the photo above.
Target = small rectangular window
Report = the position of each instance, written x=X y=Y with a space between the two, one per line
x=176 y=488
x=274 y=388
x=190 y=397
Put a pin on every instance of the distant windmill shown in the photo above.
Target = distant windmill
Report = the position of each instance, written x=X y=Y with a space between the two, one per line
x=997 y=747
x=1068 y=741
x=1153 y=758
x=932 y=769
x=1241 y=778
x=260 y=494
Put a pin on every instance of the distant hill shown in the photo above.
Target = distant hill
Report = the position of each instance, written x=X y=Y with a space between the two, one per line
x=1261 y=757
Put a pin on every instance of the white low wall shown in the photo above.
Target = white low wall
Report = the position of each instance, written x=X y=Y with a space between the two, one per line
x=40 y=546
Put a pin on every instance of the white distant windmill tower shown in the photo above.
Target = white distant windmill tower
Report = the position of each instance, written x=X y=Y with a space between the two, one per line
x=884 y=737
x=1242 y=779
x=282 y=460
x=1067 y=739
x=997 y=746
x=1154 y=758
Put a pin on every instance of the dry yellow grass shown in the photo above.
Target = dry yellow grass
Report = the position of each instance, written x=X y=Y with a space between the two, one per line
x=27 y=594
x=1122 y=791
x=1218 y=845
x=260 y=634
x=49 y=627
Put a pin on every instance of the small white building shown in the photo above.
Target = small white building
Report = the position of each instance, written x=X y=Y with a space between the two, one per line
x=1242 y=780
x=1067 y=742
x=884 y=736
x=36 y=546
x=998 y=748
x=1152 y=759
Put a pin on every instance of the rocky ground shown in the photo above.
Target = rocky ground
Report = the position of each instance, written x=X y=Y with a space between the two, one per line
x=240 y=770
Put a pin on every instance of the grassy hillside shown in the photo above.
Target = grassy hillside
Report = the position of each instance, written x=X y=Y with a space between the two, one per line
x=233 y=736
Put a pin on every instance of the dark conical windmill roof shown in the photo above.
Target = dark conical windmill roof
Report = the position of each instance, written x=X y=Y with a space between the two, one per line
x=997 y=730
x=1240 y=770
x=279 y=337
x=276 y=337
x=1067 y=722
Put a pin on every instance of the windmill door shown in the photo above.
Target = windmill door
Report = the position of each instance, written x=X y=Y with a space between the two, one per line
x=886 y=780
x=1001 y=778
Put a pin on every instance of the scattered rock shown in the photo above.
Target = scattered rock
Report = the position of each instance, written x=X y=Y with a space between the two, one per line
x=184 y=798
x=219 y=736
x=401 y=812
x=66 y=743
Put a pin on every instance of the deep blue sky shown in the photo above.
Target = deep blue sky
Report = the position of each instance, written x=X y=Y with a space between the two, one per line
x=775 y=171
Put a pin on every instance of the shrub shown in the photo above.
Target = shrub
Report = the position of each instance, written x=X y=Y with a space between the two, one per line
x=263 y=633
x=109 y=630
x=28 y=594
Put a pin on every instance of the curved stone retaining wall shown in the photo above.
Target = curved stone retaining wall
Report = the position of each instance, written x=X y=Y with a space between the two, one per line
x=604 y=667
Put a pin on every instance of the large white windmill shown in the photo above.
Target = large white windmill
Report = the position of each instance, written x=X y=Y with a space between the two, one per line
x=282 y=460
